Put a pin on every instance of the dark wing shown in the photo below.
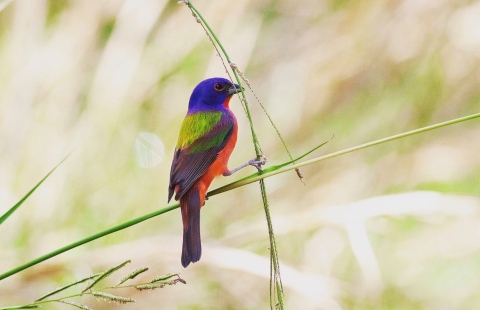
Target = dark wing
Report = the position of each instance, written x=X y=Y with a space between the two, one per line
x=190 y=163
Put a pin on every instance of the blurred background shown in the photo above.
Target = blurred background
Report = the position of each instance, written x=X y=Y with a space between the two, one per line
x=396 y=226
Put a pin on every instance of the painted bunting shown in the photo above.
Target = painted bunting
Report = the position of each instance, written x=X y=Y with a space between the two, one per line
x=206 y=140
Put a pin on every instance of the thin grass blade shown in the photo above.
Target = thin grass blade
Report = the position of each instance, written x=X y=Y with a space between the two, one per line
x=64 y=287
x=76 y=304
x=18 y=204
x=21 y=307
x=105 y=274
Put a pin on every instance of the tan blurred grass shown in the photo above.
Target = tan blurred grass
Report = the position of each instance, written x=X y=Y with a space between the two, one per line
x=94 y=74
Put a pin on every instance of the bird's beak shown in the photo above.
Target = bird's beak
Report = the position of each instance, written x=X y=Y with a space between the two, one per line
x=235 y=88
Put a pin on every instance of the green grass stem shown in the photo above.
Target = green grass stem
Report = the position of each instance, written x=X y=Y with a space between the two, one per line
x=88 y=239
x=19 y=203
x=269 y=172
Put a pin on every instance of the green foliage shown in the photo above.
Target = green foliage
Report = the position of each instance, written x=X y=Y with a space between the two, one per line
x=19 y=203
x=94 y=289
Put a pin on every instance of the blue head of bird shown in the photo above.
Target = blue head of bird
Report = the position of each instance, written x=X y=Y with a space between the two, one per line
x=212 y=94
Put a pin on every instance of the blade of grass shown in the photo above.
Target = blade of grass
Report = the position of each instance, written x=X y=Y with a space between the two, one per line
x=66 y=286
x=283 y=167
x=88 y=239
x=105 y=274
x=242 y=182
x=18 y=204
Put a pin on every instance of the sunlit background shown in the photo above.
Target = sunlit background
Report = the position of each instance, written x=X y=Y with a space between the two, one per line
x=396 y=226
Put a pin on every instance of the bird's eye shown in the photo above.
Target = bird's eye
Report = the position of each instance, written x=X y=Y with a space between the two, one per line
x=218 y=86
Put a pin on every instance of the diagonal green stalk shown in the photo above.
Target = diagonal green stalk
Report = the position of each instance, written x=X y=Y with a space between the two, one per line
x=66 y=286
x=88 y=239
x=19 y=203
x=274 y=170
x=271 y=171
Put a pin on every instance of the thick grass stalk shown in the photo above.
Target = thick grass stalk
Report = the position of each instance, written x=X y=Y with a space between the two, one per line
x=86 y=240
x=271 y=171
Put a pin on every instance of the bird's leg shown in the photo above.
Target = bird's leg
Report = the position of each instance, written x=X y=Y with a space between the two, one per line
x=257 y=163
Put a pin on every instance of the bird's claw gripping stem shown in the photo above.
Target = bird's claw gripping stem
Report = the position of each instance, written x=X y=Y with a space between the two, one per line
x=257 y=162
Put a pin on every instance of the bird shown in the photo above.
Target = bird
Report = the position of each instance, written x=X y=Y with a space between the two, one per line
x=206 y=140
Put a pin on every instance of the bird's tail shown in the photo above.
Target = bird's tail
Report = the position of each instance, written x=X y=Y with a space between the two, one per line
x=190 y=207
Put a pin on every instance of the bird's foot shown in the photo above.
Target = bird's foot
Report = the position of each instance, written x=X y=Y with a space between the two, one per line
x=258 y=163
